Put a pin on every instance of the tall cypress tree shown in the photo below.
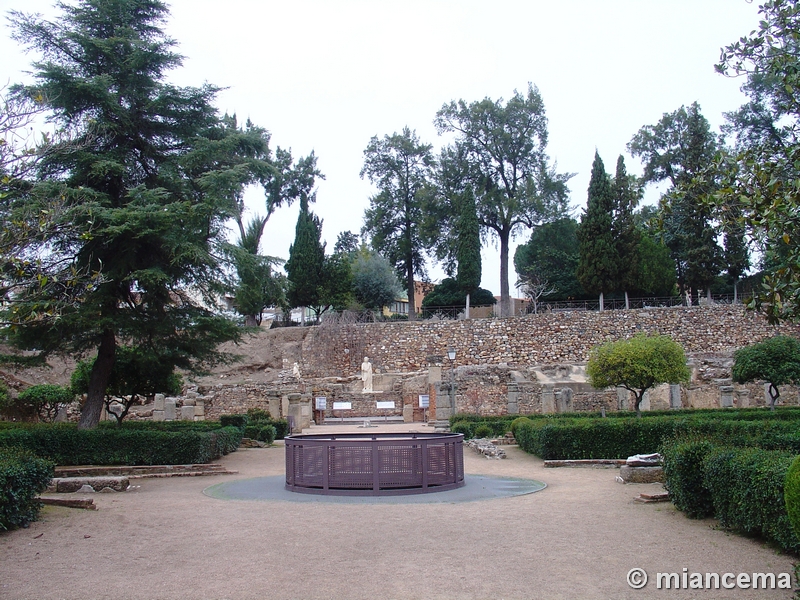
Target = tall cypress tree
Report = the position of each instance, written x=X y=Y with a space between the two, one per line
x=626 y=193
x=598 y=267
x=468 y=251
x=306 y=260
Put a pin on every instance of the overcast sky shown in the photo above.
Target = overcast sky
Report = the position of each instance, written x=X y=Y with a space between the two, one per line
x=327 y=75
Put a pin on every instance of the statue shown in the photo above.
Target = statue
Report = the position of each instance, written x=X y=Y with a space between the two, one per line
x=366 y=375
x=296 y=370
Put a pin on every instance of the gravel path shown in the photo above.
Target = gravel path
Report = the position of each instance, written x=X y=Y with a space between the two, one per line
x=576 y=539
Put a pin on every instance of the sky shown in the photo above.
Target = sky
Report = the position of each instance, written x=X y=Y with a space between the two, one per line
x=327 y=75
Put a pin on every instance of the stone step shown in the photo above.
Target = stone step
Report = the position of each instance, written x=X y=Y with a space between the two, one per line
x=86 y=503
x=138 y=470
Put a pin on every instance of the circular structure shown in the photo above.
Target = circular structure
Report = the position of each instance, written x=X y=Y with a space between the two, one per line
x=375 y=464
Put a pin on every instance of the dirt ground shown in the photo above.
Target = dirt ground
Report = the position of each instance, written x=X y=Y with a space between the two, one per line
x=576 y=539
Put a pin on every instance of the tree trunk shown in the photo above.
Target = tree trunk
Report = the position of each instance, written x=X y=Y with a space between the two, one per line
x=735 y=291
x=98 y=381
x=773 y=395
x=412 y=305
x=466 y=311
x=639 y=397
x=505 y=296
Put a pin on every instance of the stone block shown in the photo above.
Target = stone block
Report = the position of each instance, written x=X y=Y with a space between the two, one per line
x=726 y=396
x=641 y=474
x=548 y=399
x=170 y=412
x=675 y=400
x=188 y=401
x=434 y=374
x=68 y=485
x=200 y=409
x=159 y=402
x=623 y=399
x=187 y=413
x=408 y=413
x=158 y=415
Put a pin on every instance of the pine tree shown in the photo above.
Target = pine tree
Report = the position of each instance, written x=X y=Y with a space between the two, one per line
x=598 y=267
x=149 y=174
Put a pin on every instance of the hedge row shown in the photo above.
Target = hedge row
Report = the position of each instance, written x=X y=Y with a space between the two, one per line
x=64 y=444
x=23 y=476
x=742 y=487
x=619 y=438
x=260 y=419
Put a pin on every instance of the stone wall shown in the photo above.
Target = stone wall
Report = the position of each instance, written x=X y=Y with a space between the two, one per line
x=549 y=338
x=519 y=365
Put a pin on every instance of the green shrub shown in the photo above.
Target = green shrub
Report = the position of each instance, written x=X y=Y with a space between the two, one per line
x=463 y=427
x=683 y=473
x=483 y=430
x=281 y=428
x=791 y=495
x=45 y=400
x=746 y=486
x=234 y=421
x=258 y=414
x=23 y=476
x=263 y=432
x=515 y=423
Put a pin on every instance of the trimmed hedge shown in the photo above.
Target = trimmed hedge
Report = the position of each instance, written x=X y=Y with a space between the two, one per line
x=23 y=476
x=582 y=438
x=791 y=495
x=65 y=445
x=746 y=486
x=742 y=487
x=684 y=475
x=260 y=432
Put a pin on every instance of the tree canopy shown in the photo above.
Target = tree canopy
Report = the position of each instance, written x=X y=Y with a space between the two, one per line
x=598 y=265
x=148 y=179
x=449 y=293
x=679 y=149
x=775 y=360
x=637 y=364
x=515 y=185
x=761 y=178
x=400 y=166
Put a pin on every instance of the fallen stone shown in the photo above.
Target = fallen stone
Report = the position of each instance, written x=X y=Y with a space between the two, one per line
x=86 y=503
x=487 y=448
x=644 y=460
x=90 y=484
x=641 y=474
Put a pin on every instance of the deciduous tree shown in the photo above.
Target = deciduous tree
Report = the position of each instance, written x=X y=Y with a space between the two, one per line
x=515 y=184
x=400 y=166
x=679 y=149
x=775 y=360
x=637 y=364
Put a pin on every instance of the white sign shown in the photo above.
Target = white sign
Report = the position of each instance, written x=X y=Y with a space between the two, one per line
x=342 y=406
x=424 y=401
x=387 y=404
x=321 y=402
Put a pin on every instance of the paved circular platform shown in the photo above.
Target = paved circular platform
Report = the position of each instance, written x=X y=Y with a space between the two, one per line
x=477 y=487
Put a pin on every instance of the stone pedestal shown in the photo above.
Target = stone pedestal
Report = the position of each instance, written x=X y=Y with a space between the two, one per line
x=623 y=399
x=408 y=413
x=158 y=415
x=274 y=400
x=548 y=399
x=726 y=396
x=158 y=402
x=187 y=413
x=742 y=398
x=513 y=399
x=564 y=400
x=675 y=400
x=170 y=411
x=300 y=410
